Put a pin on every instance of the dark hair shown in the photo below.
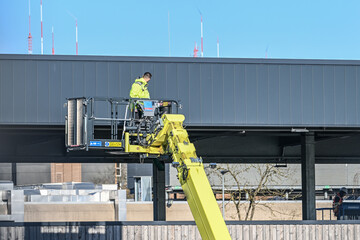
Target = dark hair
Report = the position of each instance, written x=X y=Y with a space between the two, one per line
x=147 y=74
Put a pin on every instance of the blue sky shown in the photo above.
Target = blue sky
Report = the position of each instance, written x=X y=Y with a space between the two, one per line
x=289 y=29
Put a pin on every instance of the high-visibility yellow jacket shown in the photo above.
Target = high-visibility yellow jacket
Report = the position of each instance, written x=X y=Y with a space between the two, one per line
x=139 y=89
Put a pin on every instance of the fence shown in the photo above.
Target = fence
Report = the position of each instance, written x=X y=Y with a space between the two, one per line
x=179 y=230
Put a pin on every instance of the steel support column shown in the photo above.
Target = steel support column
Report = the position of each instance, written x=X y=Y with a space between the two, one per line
x=14 y=173
x=308 y=176
x=159 y=191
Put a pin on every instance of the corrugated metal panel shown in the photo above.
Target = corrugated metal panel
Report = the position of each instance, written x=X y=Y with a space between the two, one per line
x=33 y=173
x=55 y=99
x=213 y=92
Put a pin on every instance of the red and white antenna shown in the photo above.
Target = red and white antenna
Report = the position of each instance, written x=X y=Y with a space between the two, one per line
x=202 y=49
x=218 y=48
x=76 y=30
x=169 y=31
x=29 y=37
x=53 y=49
x=42 y=39
x=76 y=38
x=196 y=50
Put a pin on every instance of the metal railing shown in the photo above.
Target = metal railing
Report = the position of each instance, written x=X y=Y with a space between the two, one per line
x=84 y=113
x=322 y=212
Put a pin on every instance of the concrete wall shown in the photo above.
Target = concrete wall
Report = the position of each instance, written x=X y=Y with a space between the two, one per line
x=179 y=211
x=267 y=210
x=54 y=212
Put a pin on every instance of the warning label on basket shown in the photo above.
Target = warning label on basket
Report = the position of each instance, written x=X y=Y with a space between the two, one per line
x=113 y=144
x=95 y=143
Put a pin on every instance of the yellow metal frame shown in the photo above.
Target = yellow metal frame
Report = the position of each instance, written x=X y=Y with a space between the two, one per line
x=171 y=138
x=140 y=149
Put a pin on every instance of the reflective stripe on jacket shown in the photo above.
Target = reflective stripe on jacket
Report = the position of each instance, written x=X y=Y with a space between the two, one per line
x=139 y=89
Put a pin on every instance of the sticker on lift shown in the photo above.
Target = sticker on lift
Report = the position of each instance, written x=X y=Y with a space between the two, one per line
x=148 y=106
x=95 y=144
x=112 y=144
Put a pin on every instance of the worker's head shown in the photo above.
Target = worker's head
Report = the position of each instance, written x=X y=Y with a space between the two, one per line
x=147 y=76
x=343 y=191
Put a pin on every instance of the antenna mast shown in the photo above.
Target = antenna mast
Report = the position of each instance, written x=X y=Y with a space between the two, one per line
x=29 y=37
x=42 y=39
x=76 y=38
x=202 y=49
x=53 y=49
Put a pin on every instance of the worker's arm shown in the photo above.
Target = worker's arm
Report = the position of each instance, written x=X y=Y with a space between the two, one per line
x=135 y=91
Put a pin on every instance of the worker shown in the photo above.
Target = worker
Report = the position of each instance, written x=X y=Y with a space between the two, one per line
x=337 y=202
x=139 y=90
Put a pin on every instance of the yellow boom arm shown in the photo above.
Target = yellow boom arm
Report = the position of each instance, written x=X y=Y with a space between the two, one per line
x=171 y=138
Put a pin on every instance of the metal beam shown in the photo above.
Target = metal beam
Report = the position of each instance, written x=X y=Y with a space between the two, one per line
x=105 y=158
x=159 y=191
x=14 y=173
x=308 y=176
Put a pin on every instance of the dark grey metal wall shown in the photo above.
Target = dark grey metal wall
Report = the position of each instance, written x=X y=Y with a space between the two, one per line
x=143 y=170
x=214 y=92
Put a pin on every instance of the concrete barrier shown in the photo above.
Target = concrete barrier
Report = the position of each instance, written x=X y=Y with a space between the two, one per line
x=180 y=230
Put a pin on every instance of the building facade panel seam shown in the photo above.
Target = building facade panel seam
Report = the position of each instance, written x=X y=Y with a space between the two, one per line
x=245 y=109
